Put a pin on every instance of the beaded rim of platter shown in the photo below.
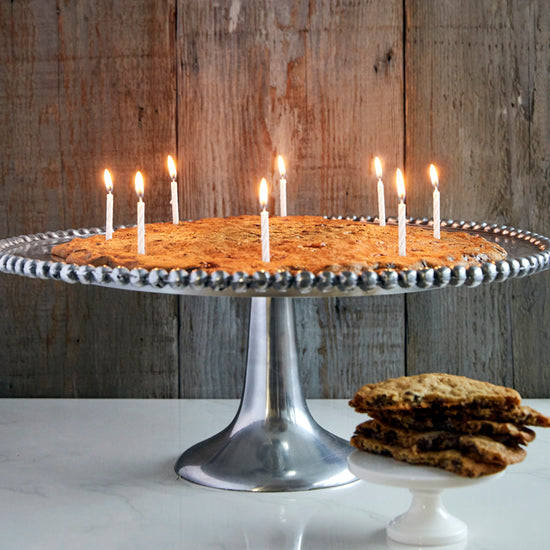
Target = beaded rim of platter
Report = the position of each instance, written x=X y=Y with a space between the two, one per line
x=16 y=257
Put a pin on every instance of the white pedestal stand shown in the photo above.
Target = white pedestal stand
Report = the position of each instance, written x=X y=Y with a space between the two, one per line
x=426 y=522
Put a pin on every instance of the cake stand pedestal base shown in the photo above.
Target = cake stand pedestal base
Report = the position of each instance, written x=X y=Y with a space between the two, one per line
x=426 y=522
x=273 y=443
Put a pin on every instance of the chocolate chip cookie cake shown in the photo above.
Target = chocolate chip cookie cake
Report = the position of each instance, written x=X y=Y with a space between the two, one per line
x=311 y=243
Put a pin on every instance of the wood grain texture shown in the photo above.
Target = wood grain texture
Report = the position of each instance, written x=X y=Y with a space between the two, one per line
x=213 y=343
x=88 y=85
x=321 y=84
x=347 y=342
x=530 y=297
x=474 y=74
x=32 y=315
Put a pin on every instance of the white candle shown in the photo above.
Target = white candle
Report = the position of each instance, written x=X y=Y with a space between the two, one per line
x=381 y=201
x=402 y=214
x=436 y=207
x=109 y=208
x=264 y=218
x=174 y=200
x=140 y=214
x=282 y=185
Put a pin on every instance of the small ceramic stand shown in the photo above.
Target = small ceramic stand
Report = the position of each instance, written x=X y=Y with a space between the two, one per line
x=426 y=522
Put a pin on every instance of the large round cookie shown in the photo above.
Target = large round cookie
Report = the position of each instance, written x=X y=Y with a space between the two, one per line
x=311 y=243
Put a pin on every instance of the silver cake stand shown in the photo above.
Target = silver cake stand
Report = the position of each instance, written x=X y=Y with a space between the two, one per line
x=273 y=443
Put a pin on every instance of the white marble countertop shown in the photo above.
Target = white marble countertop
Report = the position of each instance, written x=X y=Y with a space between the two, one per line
x=98 y=474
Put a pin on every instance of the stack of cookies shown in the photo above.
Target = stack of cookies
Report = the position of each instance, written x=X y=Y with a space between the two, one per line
x=465 y=426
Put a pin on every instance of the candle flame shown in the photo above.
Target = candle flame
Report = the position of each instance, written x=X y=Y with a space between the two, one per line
x=108 y=180
x=400 y=185
x=433 y=176
x=139 y=185
x=172 y=168
x=282 y=169
x=378 y=167
x=263 y=193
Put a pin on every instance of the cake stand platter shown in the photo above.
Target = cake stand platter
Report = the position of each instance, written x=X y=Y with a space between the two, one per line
x=426 y=522
x=273 y=443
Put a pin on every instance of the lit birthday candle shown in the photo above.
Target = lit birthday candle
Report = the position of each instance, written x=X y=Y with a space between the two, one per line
x=381 y=201
x=282 y=184
x=402 y=213
x=436 y=207
x=140 y=214
x=264 y=218
x=174 y=201
x=109 y=209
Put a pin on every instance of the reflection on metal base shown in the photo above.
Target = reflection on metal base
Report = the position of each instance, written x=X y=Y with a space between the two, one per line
x=263 y=458
x=273 y=443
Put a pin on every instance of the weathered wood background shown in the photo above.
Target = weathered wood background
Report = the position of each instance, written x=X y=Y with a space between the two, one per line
x=225 y=87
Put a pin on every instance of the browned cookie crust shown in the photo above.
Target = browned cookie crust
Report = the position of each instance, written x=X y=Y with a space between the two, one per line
x=505 y=432
x=476 y=447
x=446 y=418
x=311 y=243
x=450 y=460
x=434 y=391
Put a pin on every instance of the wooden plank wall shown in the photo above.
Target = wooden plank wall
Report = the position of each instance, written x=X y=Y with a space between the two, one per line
x=84 y=85
x=478 y=102
x=226 y=86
